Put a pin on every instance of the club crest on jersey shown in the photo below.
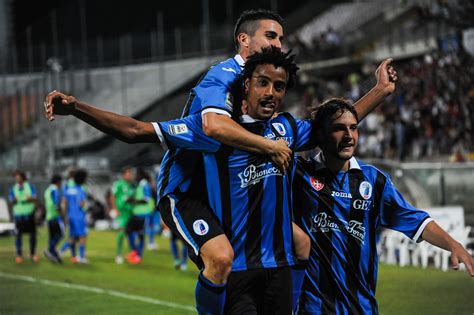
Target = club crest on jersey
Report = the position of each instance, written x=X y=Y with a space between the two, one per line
x=200 y=227
x=280 y=128
x=317 y=183
x=178 y=129
x=365 y=190
x=253 y=174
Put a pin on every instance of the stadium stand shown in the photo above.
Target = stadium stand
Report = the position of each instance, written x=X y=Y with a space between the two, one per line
x=130 y=90
x=416 y=117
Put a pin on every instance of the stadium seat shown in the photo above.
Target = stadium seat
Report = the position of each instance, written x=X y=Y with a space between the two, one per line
x=5 y=224
x=4 y=215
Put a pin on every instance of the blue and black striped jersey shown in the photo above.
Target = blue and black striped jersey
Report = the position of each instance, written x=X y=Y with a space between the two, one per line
x=179 y=167
x=248 y=194
x=341 y=213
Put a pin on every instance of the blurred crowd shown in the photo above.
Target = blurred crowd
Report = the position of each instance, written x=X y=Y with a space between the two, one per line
x=430 y=116
x=324 y=45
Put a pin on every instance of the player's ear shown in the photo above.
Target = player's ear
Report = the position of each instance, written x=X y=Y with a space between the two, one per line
x=244 y=107
x=246 y=86
x=243 y=40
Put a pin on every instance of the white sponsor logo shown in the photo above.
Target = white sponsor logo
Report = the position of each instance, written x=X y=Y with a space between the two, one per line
x=325 y=223
x=365 y=190
x=253 y=174
x=178 y=129
x=273 y=137
x=341 y=194
x=357 y=230
x=361 y=204
x=72 y=191
x=200 y=227
x=280 y=128
x=229 y=70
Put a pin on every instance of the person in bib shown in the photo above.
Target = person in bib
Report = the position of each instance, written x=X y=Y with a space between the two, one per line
x=23 y=200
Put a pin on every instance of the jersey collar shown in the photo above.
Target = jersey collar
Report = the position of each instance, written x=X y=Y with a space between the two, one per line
x=238 y=58
x=246 y=119
x=320 y=162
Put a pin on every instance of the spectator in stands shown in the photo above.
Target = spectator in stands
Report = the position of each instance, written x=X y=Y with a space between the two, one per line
x=24 y=200
x=427 y=115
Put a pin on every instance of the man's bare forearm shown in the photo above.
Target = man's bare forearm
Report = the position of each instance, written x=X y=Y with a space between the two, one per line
x=436 y=236
x=121 y=127
x=224 y=129
x=369 y=102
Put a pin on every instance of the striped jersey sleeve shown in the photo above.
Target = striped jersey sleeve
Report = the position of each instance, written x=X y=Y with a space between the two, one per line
x=185 y=133
x=305 y=139
x=399 y=215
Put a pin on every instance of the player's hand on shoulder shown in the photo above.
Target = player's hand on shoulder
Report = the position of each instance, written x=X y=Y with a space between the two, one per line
x=58 y=103
x=386 y=76
x=281 y=154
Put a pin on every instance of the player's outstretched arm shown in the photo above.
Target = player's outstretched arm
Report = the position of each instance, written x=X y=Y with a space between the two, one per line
x=225 y=130
x=386 y=77
x=436 y=236
x=121 y=127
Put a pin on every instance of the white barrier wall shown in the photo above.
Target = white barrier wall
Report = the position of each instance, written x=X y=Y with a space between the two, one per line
x=396 y=249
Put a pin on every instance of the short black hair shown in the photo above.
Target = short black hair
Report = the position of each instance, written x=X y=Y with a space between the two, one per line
x=142 y=174
x=21 y=174
x=268 y=56
x=56 y=179
x=125 y=169
x=80 y=177
x=324 y=113
x=248 y=22
x=272 y=56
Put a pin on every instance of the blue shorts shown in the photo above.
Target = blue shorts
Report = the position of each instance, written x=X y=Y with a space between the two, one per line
x=77 y=227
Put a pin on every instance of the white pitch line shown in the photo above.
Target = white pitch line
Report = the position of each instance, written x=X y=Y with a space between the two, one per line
x=97 y=290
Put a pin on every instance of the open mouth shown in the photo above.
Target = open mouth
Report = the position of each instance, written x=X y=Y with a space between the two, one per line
x=346 y=146
x=267 y=104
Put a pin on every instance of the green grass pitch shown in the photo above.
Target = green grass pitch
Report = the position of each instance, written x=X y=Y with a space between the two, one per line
x=155 y=287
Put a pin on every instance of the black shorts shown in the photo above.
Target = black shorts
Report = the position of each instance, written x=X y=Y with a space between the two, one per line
x=135 y=224
x=260 y=291
x=25 y=224
x=192 y=220
x=55 y=228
